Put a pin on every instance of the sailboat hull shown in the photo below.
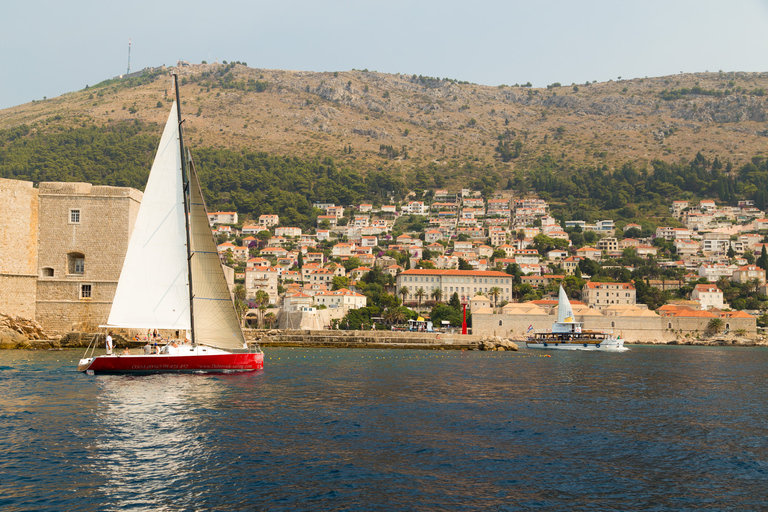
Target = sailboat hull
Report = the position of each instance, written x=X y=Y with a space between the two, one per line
x=168 y=363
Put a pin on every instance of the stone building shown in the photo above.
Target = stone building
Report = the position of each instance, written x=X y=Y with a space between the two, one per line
x=262 y=278
x=18 y=247
x=464 y=282
x=83 y=237
x=603 y=295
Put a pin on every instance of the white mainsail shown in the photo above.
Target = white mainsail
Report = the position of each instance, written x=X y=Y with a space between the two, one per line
x=152 y=292
x=564 y=309
x=215 y=318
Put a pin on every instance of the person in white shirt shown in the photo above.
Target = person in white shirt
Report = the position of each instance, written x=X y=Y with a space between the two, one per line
x=109 y=343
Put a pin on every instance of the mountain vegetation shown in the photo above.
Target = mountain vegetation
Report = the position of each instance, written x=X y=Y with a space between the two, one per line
x=270 y=141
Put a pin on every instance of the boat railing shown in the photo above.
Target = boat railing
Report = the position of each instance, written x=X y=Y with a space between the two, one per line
x=582 y=337
x=91 y=348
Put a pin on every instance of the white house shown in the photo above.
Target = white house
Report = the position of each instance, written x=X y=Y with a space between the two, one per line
x=709 y=295
x=342 y=298
x=291 y=232
x=222 y=218
x=268 y=221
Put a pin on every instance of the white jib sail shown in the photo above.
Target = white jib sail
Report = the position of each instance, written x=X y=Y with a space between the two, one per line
x=152 y=291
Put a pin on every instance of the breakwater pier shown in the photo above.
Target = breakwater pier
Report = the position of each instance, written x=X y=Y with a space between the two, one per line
x=376 y=339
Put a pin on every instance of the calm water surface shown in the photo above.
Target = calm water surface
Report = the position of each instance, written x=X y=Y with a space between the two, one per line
x=656 y=428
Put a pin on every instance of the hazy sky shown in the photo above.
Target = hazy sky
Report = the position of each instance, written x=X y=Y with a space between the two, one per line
x=49 y=48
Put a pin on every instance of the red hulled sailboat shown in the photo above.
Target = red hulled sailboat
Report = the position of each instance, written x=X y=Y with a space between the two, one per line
x=172 y=278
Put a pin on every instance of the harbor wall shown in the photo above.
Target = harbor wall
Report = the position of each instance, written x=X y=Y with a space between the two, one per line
x=362 y=339
x=639 y=329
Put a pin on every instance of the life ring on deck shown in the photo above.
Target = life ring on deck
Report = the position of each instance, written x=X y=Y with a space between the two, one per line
x=597 y=346
x=545 y=343
x=585 y=345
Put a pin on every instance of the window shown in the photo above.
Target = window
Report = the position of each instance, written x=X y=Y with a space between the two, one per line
x=75 y=263
x=47 y=272
x=74 y=216
x=85 y=291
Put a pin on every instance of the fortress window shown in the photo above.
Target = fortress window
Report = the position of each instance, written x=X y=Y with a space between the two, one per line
x=47 y=272
x=74 y=216
x=85 y=291
x=75 y=263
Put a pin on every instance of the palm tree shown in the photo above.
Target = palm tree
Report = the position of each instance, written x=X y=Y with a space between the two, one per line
x=437 y=294
x=404 y=291
x=240 y=292
x=395 y=316
x=495 y=292
x=715 y=325
x=261 y=299
x=262 y=310
x=270 y=319
x=240 y=305
x=420 y=294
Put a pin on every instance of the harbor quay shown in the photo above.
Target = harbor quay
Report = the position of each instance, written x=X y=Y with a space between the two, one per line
x=294 y=338
x=375 y=339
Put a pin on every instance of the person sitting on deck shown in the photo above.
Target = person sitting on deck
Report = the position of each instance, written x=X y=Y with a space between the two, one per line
x=147 y=348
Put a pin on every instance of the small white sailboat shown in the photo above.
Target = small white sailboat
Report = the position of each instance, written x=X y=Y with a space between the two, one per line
x=567 y=334
x=172 y=278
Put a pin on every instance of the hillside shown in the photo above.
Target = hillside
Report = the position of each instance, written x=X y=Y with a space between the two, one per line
x=404 y=123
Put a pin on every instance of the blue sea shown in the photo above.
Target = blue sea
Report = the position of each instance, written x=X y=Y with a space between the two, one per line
x=655 y=428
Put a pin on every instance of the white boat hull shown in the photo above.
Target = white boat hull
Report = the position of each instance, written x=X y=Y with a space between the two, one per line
x=605 y=346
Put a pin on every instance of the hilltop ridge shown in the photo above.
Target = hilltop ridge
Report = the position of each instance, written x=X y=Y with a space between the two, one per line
x=407 y=122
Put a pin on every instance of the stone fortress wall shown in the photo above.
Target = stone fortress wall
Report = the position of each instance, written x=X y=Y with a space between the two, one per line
x=644 y=328
x=18 y=247
x=106 y=217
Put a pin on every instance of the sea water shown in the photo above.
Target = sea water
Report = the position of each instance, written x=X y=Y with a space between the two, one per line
x=655 y=428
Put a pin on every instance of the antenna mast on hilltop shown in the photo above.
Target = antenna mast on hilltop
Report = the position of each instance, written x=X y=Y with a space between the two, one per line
x=129 y=57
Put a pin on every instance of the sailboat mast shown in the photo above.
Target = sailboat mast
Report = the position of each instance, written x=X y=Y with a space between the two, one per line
x=185 y=180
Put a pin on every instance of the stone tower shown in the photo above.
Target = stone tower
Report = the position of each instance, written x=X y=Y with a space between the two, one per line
x=83 y=237
x=18 y=247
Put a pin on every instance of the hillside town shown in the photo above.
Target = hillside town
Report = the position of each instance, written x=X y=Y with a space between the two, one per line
x=496 y=253
x=426 y=260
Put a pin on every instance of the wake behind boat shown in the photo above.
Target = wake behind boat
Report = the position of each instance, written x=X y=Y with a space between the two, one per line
x=172 y=278
x=567 y=334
